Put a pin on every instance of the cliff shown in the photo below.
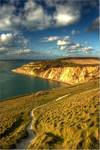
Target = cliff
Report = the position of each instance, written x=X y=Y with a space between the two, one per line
x=67 y=71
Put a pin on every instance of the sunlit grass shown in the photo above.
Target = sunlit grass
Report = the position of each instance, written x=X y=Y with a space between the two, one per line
x=53 y=120
x=75 y=120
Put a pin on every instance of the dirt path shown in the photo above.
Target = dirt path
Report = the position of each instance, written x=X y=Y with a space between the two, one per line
x=23 y=144
x=26 y=141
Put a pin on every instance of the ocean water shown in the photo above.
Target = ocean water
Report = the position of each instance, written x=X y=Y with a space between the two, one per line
x=12 y=84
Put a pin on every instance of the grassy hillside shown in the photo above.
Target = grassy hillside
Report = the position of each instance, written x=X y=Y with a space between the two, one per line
x=59 y=120
x=70 y=123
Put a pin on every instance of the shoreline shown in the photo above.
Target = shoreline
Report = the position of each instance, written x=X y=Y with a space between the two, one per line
x=33 y=76
x=31 y=93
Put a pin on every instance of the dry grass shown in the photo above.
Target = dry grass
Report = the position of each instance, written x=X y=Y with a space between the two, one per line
x=14 y=116
x=70 y=123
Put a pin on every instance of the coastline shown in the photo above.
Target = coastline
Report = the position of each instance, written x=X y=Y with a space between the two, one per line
x=36 y=76
x=33 y=93
x=71 y=71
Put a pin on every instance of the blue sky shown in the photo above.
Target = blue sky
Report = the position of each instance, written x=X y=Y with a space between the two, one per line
x=40 y=29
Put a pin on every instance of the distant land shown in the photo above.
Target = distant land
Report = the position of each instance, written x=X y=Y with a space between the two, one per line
x=70 y=57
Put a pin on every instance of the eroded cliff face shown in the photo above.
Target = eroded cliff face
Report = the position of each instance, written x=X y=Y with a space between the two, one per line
x=71 y=75
x=64 y=73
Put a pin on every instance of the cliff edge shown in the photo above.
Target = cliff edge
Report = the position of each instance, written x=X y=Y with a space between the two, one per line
x=71 y=70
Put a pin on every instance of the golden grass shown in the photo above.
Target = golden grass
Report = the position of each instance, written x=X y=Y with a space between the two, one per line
x=70 y=123
x=14 y=117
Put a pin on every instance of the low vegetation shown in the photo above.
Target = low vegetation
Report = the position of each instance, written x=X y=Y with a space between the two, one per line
x=60 y=124
x=14 y=115
x=71 y=122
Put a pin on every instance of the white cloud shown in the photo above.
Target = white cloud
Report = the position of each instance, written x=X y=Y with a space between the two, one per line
x=75 y=46
x=66 y=44
x=6 y=37
x=35 y=16
x=61 y=42
x=19 y=52
x=11 y=43
x=62 y=47
x=87 y=48
x=50 y=38
x=64 y=41
x=22 y=51
x=53 y=38
x=6 y=13
x=66 y=15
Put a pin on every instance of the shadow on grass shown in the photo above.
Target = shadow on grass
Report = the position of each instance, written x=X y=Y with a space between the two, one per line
x=53 y=139
x=16 y=124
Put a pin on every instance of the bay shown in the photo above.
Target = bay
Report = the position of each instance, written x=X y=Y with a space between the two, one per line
x=12 y=84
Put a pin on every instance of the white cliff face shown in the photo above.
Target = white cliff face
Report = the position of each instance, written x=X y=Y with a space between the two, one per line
x=67 y=74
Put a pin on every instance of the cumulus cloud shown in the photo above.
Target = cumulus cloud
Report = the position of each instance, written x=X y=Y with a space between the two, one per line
x=95 y=25
x=6 y=13
x=66 y=44
x=77 y=47
x=62 y=47
x=66 y=15
x=6 y=37
x=11 y=43
x=61 y=42
x=33 y=16
x=64 y=41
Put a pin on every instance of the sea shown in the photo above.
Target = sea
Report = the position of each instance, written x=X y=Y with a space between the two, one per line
x=13 y=84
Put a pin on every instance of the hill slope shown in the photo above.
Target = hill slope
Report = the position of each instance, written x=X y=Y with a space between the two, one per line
x=78 y=112
x=71 y=122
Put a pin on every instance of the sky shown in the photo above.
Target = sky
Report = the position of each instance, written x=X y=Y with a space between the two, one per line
x=47 y=29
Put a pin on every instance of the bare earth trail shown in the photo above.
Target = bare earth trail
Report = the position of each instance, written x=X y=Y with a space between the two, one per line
x=24 y=143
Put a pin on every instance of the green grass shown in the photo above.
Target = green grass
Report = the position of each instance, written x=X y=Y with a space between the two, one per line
x=70 y=123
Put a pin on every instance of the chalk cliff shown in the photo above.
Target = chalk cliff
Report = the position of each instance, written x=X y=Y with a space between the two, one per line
x=62 y=71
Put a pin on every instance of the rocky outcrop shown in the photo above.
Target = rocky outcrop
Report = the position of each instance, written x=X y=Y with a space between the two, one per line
x=67 y=73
